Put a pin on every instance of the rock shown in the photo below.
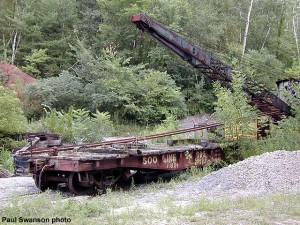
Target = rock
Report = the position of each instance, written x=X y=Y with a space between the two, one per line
x=5 y=173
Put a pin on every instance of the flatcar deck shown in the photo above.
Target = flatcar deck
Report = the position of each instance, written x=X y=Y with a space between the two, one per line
x=160 y=158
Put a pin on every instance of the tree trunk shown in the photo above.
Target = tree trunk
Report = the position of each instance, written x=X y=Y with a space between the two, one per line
x=266 y=37
x=295 y=33
x=247 y=27
x=16 y=38
x=4 y=48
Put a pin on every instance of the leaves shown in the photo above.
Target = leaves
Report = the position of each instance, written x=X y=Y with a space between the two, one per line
x=12 y=119
x=76 y=126
x=56 y=92
x=34 y=60
x=233 y=110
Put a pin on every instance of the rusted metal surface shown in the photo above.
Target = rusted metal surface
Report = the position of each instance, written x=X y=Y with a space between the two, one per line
x=166 y=158
x=215 y=69
x=194 y=55
x=91 y=168
x=95 y=169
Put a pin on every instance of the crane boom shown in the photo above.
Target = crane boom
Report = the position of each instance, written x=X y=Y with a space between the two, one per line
x=215 y=69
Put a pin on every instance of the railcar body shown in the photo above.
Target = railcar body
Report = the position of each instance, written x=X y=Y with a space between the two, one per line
x=92 y=168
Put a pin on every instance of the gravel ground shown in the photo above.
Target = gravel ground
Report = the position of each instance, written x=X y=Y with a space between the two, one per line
x=16 y=186
x=191 y=121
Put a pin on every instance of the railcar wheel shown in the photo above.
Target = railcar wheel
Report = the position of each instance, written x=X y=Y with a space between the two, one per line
x=75 y=187
x=42 y=183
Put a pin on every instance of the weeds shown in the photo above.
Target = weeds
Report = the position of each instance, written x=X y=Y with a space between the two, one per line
x=194 y=173
x=76 y=126
x=154 y=206
x=6 y=160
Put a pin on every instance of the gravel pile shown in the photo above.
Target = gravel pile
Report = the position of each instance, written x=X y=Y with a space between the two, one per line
x=271 y=172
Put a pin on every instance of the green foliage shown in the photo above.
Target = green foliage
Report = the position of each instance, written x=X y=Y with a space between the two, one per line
x=103 y=24
x=56 y=92
x=293 y=71
x=131 y=92
x=34 y=61
x=196 y=89
x=6 y=161
x=46 y=24
x=96 y=79
x=286 y=134
x=150 y=96
x=8 y=142
x=89 y=18
x=12 y=119
x=233 y=110
x=263 y=67
x=169 y=124
x=109 y=84
x=76 y=126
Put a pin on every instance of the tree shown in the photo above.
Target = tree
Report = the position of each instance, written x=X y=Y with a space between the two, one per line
x=11 y=13
x=45 y=24
x=293 y=71
x=126 y=91
x=89 y=18
x=35 y=60
x=247 y=27
x=109 y=83
x=233 y=110
x=238 y=116
x=263 y=67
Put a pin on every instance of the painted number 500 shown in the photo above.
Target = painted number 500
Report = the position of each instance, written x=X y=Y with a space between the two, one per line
x=149 y=160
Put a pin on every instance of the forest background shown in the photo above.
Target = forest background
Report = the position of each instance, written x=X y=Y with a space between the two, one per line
x=95 y=68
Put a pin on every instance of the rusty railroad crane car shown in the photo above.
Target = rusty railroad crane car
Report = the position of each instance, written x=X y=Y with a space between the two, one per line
x=88 y=168
x=91 y=168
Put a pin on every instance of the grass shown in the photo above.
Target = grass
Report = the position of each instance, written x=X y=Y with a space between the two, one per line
x=157 y=203
x=6 y=161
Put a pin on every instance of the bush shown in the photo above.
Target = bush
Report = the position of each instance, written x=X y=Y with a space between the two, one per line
x=76 y=126
x=108 y=83
x=169 y=124
x=12 y=119
x=56 y=92
x=233 y=110
x=6 y=161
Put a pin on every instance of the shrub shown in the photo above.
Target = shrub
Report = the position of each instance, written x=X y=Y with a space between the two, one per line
x=76 y=126
x=6 y=161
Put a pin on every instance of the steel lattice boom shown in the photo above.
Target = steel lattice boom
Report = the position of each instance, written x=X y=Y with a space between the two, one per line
x=215 y=69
